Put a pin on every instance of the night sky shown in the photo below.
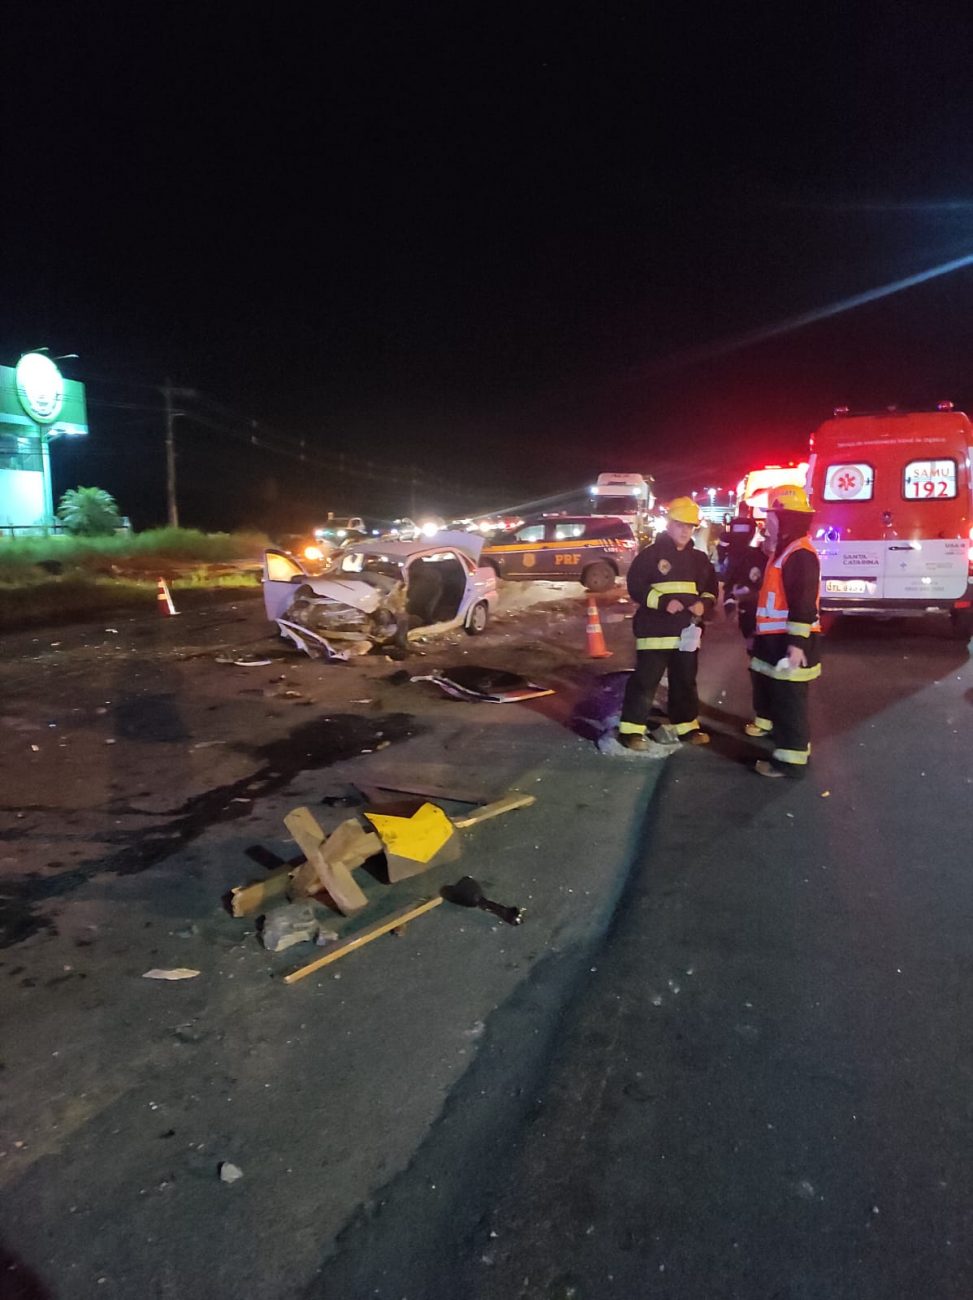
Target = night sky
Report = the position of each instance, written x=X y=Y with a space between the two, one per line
x=485 y=246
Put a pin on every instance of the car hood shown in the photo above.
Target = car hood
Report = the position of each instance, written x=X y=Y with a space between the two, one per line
x=347 y=591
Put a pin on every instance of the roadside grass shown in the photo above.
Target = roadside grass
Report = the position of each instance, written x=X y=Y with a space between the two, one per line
x=67 y=579
x=77 y=598
x=30 y=559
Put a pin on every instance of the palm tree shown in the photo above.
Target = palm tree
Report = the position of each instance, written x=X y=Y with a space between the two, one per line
x=88 y=512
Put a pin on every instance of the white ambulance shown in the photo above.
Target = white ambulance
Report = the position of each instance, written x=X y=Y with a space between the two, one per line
x=893 y=501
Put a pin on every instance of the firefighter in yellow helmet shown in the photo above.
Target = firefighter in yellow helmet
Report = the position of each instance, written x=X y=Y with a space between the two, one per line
x=786 y=646
x=674 y=586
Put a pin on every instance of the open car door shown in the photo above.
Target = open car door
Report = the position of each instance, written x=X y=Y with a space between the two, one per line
x=282 y=574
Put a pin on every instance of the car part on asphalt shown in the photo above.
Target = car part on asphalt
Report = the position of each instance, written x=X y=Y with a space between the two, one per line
x=487 y=685
x=468 y=892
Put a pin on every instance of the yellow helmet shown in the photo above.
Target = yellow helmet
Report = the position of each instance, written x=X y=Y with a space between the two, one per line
x=684 y=510
x=790 y=497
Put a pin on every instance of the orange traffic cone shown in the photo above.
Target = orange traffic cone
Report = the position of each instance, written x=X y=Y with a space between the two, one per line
x=596 y=638
x=163 y=600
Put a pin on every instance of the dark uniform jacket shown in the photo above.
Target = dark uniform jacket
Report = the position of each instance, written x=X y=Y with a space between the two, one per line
x=733 y=546
x=801 y=574
x=659 y=574
x=747 y=582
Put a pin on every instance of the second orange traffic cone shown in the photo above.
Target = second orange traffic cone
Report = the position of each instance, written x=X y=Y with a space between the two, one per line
x=596 y=638
x=164 y=599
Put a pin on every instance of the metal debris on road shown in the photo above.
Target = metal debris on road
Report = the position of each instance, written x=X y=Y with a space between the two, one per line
x=172 y=974
x=468 y=892
x=487 y=685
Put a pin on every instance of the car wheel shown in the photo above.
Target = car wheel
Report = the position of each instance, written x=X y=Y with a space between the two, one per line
x=962 y=623
x=598 y=577
x=478 y=619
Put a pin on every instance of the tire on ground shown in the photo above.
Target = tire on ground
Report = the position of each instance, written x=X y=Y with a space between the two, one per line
x=961 y=621
x=598 y=576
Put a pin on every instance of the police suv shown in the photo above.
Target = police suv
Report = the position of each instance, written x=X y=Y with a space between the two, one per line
x=592 y=550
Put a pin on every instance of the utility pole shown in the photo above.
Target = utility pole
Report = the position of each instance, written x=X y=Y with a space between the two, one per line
x=172 y=510
x=168 y=392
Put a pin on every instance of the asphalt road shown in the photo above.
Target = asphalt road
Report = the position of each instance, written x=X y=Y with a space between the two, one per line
x=763 y=1088
x=727 y=1054
x=144 y=772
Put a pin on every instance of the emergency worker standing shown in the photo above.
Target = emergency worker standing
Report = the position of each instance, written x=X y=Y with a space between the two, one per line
x=735 y=546
x=786 y=649
x=744 y=593
x=673 y=586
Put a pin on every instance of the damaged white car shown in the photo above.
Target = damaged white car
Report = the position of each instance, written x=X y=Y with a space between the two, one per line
x=380 y=593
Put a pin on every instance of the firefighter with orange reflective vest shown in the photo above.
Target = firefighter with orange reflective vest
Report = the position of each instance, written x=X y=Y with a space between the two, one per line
x=786 y=651
x=673 y=586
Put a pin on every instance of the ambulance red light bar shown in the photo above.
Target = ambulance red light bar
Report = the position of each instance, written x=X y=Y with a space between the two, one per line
x=945 y=406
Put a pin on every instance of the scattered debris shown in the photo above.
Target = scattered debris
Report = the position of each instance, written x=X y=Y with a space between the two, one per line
x=331 y=859
x=286 y=926
x=394 y=922
x=415 y=843
x=248 y=900
x=378 y=785
x=424 y=839
x=310 y=642
x=608 y=744
x=468 y=892
x=174 y=973
x=487 y=685
x=508 y=803
x=229 y=1173
x=245 y=663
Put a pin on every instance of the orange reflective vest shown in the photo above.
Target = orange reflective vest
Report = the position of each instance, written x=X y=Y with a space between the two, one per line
x=772 y=612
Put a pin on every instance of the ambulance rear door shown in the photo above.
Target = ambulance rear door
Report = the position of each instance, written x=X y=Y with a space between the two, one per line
x=934 y=569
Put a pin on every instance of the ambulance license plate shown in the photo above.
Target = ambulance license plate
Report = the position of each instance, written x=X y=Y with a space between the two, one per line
x=847 y=586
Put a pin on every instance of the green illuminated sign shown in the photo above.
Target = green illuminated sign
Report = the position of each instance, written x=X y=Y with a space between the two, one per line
x=40 y=387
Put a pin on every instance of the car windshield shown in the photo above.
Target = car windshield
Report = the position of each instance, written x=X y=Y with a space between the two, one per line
x=359 y=563
x=617 y=505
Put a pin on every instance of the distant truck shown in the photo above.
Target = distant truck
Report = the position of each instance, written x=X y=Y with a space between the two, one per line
x=893 y=523
x=624 y=496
